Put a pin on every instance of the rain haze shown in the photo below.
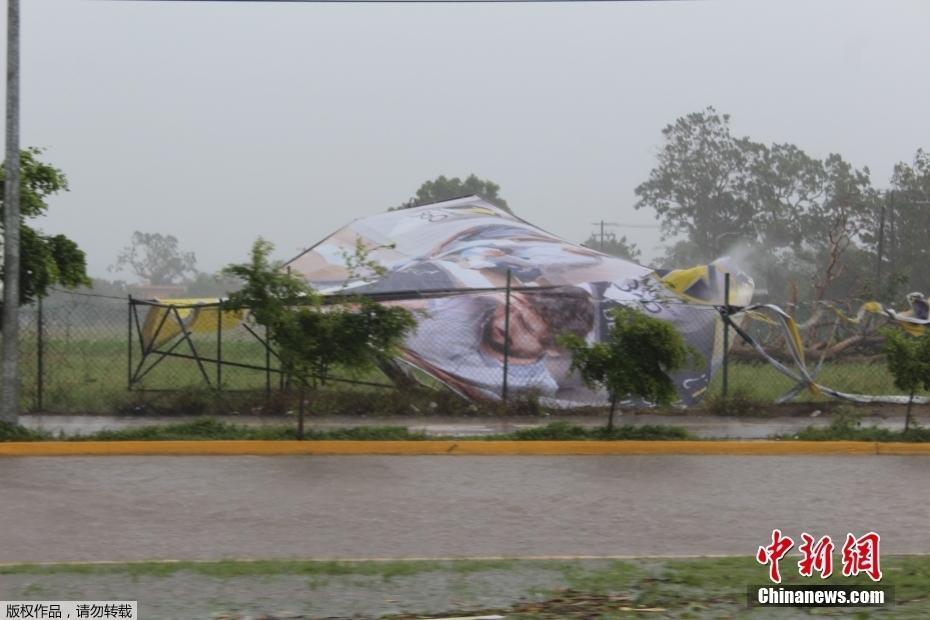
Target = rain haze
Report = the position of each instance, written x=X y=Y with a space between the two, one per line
x=221 y=121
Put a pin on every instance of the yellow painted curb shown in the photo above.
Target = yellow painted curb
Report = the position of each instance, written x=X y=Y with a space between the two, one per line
x=452 y=447
x=903 y=449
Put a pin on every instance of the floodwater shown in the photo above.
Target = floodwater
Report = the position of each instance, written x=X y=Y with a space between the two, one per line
x=144 y=508
x=703 y=426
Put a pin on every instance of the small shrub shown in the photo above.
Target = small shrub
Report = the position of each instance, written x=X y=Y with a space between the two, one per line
x=556 y=431
x=646 y=432
x=908 y=359
x=206 y=428
x=563 y=431
x=636 y=360
x=16 y=432
x=313 y=341
x=369 y=433
x=846 y=426
x=210 y=428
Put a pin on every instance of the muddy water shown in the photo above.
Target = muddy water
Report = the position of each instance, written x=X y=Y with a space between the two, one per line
x=119 y=508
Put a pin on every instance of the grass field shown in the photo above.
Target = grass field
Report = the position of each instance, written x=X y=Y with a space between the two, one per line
x=763 y=383
x=92 y=376
x=516 y=589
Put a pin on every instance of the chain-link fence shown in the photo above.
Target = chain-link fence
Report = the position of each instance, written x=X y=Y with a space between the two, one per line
x=842 y=348
x=73 y=351
x=91 y=354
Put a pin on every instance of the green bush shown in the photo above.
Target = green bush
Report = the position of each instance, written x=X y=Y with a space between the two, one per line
x=636 y=360
x=368 y=433
x=15 y=432
x=206 y=428
x=210 y=428
x=563 y=431
x=846 y=426
x=908 y=359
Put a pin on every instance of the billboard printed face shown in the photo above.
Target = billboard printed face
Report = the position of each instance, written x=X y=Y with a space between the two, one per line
x=449 y=261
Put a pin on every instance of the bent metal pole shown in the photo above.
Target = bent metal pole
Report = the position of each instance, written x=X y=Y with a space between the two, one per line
x=9 y=382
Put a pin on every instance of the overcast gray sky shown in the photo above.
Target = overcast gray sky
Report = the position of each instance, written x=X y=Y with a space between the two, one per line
x=221 y=121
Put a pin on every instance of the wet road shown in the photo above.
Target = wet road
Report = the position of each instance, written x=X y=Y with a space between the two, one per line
x=138 y=508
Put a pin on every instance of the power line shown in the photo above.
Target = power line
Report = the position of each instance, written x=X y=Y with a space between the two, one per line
x=602 y=224
x=426 y=1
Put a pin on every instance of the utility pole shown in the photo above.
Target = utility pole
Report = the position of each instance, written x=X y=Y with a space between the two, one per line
x=9 y=355
x=504 y=383
x=893 y=249
x=604 y=224
x=881 y=251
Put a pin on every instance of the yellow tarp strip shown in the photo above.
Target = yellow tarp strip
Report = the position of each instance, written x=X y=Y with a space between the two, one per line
x=196 y=319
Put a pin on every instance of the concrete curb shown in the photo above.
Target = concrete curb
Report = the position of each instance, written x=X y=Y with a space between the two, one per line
x=452 y=447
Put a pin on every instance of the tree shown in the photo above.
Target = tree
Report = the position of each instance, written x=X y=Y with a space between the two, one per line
x=611 y=244
x=907 y=225
x=443 y=188
x=635 y=361
x=211 y=285
x=801 y=216
x=699 y=185
x=314 y=339
x=156 y=258
x=45 y=260
x=908 y=359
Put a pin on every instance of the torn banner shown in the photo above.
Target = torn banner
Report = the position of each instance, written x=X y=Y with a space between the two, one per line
x=450 y=261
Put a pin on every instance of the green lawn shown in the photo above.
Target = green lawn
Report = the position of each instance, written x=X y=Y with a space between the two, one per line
x=763 y=383
x=92 y=375
x=88 y=373
x=517 y=589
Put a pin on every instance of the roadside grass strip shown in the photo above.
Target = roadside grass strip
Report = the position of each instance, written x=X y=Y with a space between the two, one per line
x=517 y=589
x=209 y=436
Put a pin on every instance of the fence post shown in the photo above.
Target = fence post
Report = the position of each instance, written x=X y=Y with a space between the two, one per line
x=219 y=345
x=129 y=307
x=506 y=338
x=726 y=334
x=892 y=236
x=879 y=254
x=285 y=380
x=267 y=363
x=40 y=357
